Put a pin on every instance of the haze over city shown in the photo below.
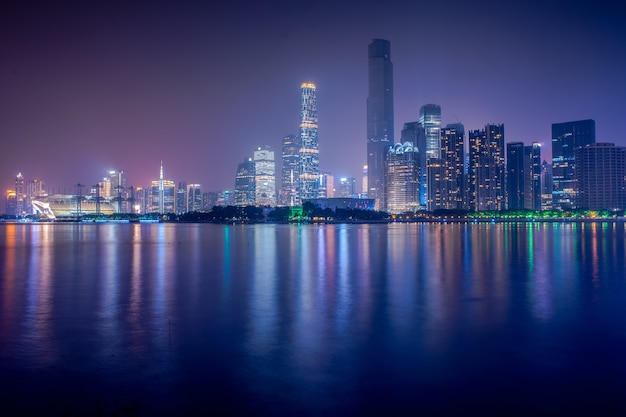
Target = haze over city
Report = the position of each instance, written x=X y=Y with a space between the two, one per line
x=93 y=87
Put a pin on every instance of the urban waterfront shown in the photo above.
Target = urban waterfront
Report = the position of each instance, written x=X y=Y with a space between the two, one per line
x=430 y=318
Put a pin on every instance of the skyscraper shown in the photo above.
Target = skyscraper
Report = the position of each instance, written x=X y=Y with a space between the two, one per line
x=566 y=138
x=194 y=198
x=515 y=173
x=486 y=168
x=402 y=177
x=265 y=177
x=452 y=154
x=181 y=198
x=20 y=195
x=117 y=182
x=601 y=176
x=412 y=132
x=532 y=176
x=245 y=193
x=290 y=171
x=379 y=117
x=163 y=195
x=309 y=145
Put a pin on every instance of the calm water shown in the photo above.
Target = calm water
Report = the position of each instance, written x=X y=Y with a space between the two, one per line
x=337 y=319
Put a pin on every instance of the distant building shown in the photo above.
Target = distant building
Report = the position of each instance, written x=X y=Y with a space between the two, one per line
x=163 y=195
x=181 y=198
x=437 y=188
x=10 y=203
x=566 y=138
x=402 y=178
x=546 y=185
x=414 y=133
x=601 y=177
x=118 y=190
x=532 y=176
x=515 y=175
x=245 y=184
x=326 y=187
x=265 y=177
x=379 y=117
x=364 y=186
x=343 y=203
x=194 y=198
x=35 y=190
x=347 y=188
x=290 y=170
x=486 y=168
x=309 y=145
x=452 y=155
x=209 y=200
x=20 y=196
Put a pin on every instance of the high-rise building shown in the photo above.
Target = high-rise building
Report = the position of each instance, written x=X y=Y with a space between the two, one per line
x=181 y=198
x=10 y=204
x=347 y=187
x=546 y=185
x=364 y=183
x=290 y=171
x=430 y=122
x=379 y=117
x=452 y=155
x=265 y=177
x=309 y=145
x=20 y=195
x=163 y=195
x=566 y=138
x=245 y=186
x=194 y=198
x=118 y=190
x=486 y=168
x=35 y=190
x=402 y=178
x=515 y=174
x=532 y=176
x=326 y=185
x=414 y=133
x=437 y=187
x=601 y=177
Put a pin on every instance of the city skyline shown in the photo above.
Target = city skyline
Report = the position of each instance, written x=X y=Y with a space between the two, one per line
x=93 y=88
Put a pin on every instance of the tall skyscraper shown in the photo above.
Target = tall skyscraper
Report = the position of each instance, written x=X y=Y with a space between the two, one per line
x=181 y=198
x=20 y=195
x=532 y=176
x=412 y=132
x=430 y=122
x=163 y=195
x=265 y=177
x=486 y=168
x=194 y=198
x=452 y=155
x=566 y=138
x=245 y=186
x=402 y=178
x=601 y=177
x=309 y=145
x=379 y=117
x=546 y=185
x=515 y=174
x=290 y=171
x=118 y=190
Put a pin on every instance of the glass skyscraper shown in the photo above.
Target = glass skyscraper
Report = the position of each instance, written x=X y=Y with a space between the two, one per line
x=290 y=170
x=379 y=117
x=486 y=168
x=309 y=145
x=402 y=178
x=566 y=138
x=265 y=177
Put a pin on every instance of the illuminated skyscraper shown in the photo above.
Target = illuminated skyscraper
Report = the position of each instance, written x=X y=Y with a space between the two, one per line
x=265 y=177
x=20 y=195
x=309 y=145
x=413 y=132
x=532 y=176
x=429 y=139
x=194 y=197
x=450 y=185
x=486 y=168
x=566 y=138
x=290 y=171
x=118 y=190
x=379 y=117
x=181 y=198
x=245 y=193
x=163 y=195
x=515 y=175
x=402 y=178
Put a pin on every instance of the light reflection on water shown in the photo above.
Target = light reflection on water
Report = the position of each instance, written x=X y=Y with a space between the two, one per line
x=314 y=318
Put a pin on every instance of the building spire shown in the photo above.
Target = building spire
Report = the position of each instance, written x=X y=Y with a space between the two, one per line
x=161 y=174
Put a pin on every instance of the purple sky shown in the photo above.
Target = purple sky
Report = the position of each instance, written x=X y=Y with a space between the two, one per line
x=92 y=86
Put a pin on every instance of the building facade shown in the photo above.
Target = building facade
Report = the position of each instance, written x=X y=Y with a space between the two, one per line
x=452 y=153
x=245 y=185
x=566 y=138
x=264 y=177
x=601 y=177
x=486 y=168
x=290 y=170
x=402 y=178
x=309 y=145
x=379 y=117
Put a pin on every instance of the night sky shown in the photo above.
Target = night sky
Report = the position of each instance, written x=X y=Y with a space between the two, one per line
x=92 y=86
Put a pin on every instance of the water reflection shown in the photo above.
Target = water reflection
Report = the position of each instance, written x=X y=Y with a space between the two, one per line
x=324 y=308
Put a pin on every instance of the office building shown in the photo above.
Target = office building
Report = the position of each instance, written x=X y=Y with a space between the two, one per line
x=601 y=177
x=181 y=198
x=452 y=156
x=118 y=190
x=194 y=198
x=486 y=168
x=566 y=138
x=264 y=177
x=515 y=175
x=309 y=145
x=163 y=195
x=379 y=117
x=532 y=176
x=245 y=185
x=20 y=196
x=414 y=133
x=290 y=170
x=402 y=178
x=347 y=188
